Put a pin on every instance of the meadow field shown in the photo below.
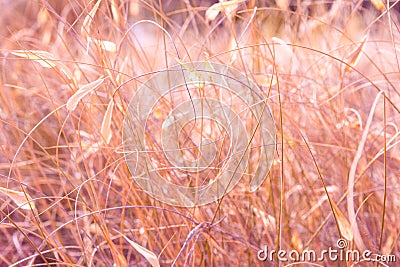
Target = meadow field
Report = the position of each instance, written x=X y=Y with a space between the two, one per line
x=326 y=75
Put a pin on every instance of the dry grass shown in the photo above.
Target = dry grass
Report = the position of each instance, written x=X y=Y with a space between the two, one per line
x=336 y=104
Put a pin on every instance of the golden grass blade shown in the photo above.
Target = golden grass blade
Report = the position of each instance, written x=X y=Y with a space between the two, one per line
x=115 y=12
x=19 y=198
x=228 y=6
x=42 y=57
x=106 y=124
x=212 y=12
x=233 y=46
x=378 y=4
x=352 y=177
x=73 y=101
x=343 y=223
x=46 y=60
x=89 y=18
x=355 y=55
x=105 y=45
x=150 y=256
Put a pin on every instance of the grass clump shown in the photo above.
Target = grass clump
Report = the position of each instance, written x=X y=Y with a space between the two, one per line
x=329 y=71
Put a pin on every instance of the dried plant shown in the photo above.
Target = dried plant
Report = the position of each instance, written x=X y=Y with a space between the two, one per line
x=329 y=71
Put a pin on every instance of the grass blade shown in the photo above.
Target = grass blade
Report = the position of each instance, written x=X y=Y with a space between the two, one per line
x=19 y=198
x=73 y=101
x=106 y=124
x=42 y=57
x=150 y=256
